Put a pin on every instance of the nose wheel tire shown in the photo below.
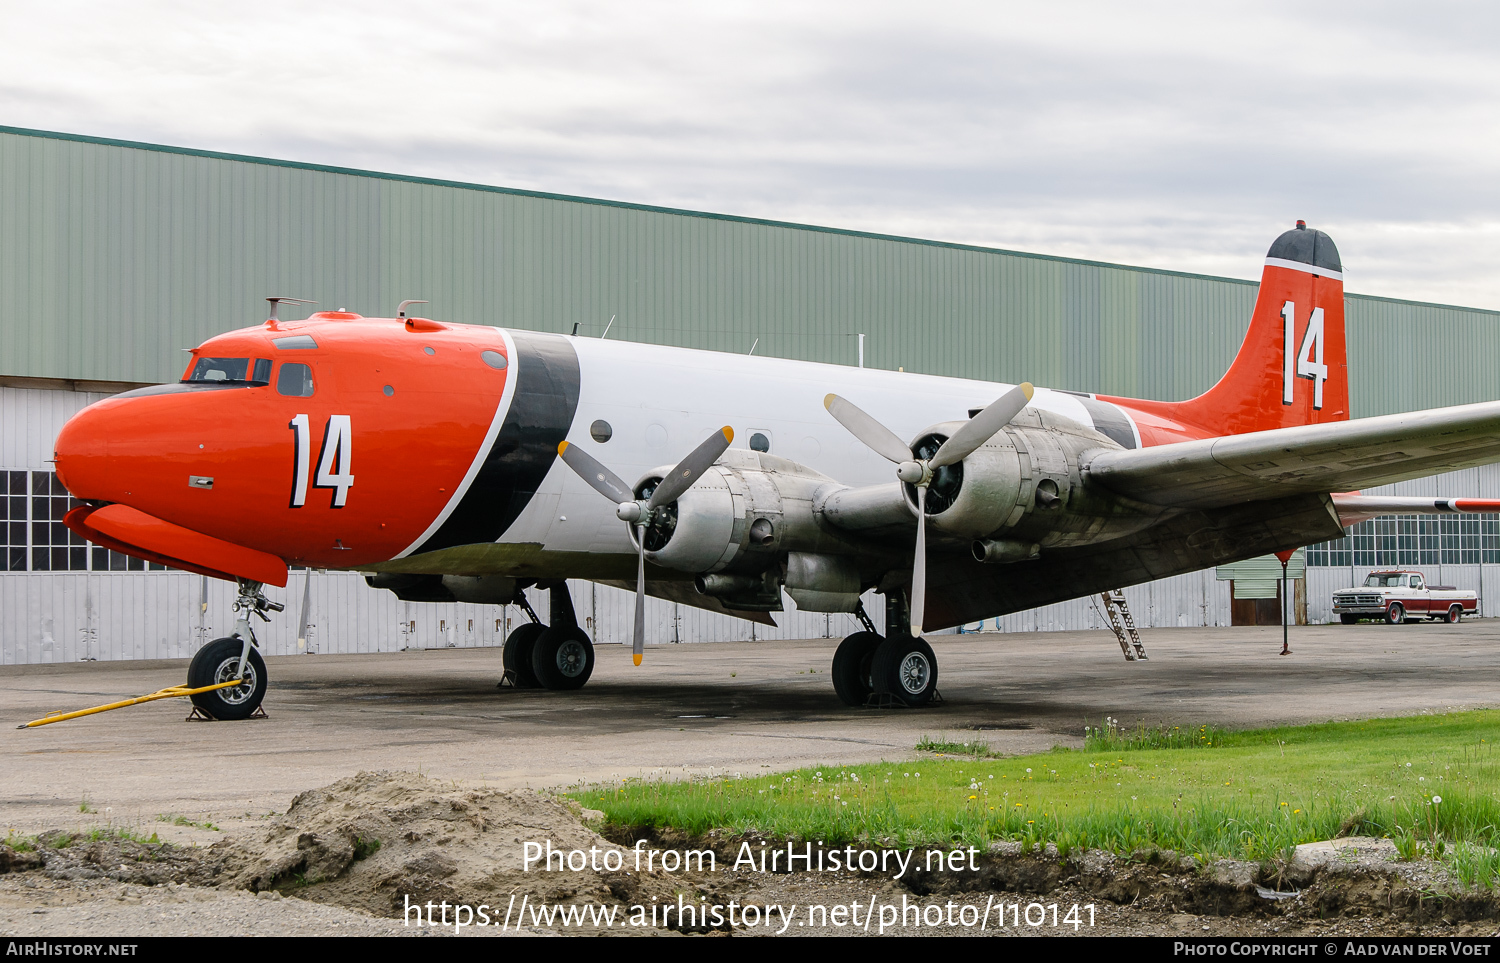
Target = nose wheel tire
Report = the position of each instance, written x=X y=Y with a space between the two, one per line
x=1396 y=614
x=219 y=661
x=851 y=667
x=1455 y=612
x=516 y=656
x=905 y=667
x=562 y=658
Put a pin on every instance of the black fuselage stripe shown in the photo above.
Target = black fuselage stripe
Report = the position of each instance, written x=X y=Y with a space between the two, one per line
x=541 y=411
x=1110 y=421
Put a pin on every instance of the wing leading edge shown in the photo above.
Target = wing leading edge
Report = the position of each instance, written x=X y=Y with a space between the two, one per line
x=1335 y=457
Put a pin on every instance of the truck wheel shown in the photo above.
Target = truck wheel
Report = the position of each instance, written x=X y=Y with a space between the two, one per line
x=1396 y=614
x=1455 y=612
x=1348 y=619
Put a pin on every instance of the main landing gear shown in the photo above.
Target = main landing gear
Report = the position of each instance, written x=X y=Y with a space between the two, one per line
x=870 y=669
x=556 y=656
x=234 y=657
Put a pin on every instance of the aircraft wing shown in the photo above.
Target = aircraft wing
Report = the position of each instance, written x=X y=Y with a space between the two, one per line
x=1335 y=457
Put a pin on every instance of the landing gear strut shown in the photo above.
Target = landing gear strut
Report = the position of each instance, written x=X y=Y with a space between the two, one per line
x=871 y=669
x=556 y=656
x=234 y=657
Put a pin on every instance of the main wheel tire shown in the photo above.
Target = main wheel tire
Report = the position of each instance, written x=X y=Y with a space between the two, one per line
x=516 y=656
x=562 y=658
x=1455 y=612
x=906 y=668
x=851 y=667
x=219 y=661
x=1396 y=614
x=1348 y=619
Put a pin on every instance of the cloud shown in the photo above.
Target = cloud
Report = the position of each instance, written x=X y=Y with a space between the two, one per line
x=1170 y=135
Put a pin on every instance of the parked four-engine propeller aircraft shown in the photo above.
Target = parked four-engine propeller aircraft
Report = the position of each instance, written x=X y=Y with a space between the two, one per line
x=459 y=462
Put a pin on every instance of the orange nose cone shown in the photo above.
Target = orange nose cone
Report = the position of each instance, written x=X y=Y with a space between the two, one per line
x=82 y=454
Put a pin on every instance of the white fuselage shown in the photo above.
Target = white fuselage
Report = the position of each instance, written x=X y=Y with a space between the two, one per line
x=661 y=402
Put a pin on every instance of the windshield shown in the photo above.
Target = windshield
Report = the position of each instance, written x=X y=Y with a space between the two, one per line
x=231 y=369
x=1385 y=580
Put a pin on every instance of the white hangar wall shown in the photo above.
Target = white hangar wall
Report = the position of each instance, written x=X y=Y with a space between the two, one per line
x=67 y=611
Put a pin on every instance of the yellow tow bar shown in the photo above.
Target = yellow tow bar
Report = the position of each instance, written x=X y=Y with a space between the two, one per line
x=171 y=692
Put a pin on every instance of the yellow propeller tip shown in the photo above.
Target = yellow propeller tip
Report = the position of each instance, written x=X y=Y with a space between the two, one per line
x=562 y=446
x=728 y=433
x=1026 y=386
x=637 y=659
x=828 y=400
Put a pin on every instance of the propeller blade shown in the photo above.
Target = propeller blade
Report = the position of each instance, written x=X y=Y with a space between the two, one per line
x=919 y=566
x=691 y=468
x=982 y=427
x=877 y=437
x=638 y=645
x=599 y=478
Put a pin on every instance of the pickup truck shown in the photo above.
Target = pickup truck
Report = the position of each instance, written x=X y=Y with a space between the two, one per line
x=1396 y=596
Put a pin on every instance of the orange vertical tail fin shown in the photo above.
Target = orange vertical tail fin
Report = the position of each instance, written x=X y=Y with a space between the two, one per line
x=1292 y=368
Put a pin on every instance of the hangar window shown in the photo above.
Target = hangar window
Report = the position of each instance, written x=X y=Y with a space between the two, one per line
x=1400 y=540
x=220 y=369
x=33 y=537
x=294 y=380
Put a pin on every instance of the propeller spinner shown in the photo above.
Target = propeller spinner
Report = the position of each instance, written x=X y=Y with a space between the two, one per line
x=919 y=472
x=640 y=511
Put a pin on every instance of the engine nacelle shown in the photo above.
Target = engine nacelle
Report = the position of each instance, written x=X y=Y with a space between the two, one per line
x=742 y=516
x=1022 y=489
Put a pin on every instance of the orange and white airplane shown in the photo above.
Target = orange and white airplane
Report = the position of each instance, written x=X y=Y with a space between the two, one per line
x=466 y=462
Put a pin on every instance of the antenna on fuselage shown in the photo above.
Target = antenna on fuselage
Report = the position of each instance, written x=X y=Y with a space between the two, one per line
x=276 y=305
x=752 y=347
x=401 y=309
x=607 y=327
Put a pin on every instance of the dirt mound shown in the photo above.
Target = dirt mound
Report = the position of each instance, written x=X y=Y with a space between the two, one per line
x=377 y=840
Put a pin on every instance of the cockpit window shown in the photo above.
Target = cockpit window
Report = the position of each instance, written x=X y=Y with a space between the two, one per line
x=294 y=380
x=262 y=375
x=220 y=369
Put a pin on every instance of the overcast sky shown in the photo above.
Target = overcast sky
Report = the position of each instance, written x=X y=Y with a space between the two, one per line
x=1182 y=136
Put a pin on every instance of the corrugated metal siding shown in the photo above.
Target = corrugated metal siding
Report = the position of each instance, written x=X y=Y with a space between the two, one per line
x=30 y=420
x=113 y=257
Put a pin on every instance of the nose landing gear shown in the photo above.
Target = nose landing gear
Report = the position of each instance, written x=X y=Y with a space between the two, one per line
x=234 y=657
x=874 y=670
x=556 y=656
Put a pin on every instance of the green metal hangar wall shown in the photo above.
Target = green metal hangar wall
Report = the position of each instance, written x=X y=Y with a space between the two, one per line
x=114 y=256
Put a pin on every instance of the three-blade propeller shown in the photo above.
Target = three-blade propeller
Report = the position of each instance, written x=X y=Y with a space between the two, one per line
x=919 y=473
x=640 y=511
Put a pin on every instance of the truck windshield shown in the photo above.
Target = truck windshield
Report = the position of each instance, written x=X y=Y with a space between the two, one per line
x=1385 y=580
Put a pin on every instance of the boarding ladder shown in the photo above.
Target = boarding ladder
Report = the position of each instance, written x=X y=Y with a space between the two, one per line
x=1117 y=610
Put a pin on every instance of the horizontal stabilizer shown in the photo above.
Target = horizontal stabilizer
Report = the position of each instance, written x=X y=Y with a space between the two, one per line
x=1354 y=508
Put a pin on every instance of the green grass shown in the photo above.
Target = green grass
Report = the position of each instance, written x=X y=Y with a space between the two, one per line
x=179 y=820
x=942 y=747
x=21 y=844
x=1199 y=791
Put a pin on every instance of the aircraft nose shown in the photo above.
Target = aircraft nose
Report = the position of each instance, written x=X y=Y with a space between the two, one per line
x=82 y=454
x=129 y=447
